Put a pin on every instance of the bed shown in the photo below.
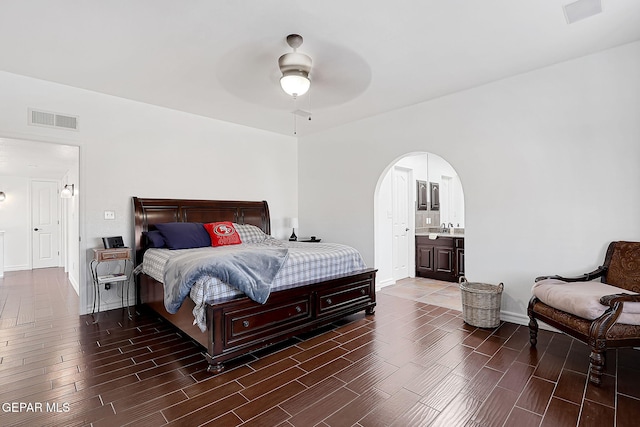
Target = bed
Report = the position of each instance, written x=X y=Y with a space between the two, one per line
x=237 y=325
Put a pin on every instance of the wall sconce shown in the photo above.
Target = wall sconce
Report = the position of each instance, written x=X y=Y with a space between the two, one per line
x=67 y=192
x=2 y=196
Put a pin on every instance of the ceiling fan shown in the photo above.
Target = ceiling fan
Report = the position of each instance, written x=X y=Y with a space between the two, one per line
x=295 y=68
x=256 y=71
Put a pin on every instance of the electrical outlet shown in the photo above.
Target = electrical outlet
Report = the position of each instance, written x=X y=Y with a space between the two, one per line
x=428 y=220
x=109 y=215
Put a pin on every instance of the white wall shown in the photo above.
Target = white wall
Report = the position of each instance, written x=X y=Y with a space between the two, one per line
x=71 y=226
x=419 y=164
x=15 y=220
x=549 y=162
x=439 y=167
x=383 y=214
x=133 y=149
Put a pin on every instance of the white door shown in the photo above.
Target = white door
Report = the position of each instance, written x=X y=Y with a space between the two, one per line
x=401 y=202
x=44 y=224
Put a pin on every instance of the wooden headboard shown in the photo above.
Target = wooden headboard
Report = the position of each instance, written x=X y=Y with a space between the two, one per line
x=148 y=212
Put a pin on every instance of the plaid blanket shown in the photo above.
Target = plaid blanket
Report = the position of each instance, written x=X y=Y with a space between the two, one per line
x=306 y=263
x=248 y=269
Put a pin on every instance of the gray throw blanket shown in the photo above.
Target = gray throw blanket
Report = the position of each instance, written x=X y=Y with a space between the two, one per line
x=250 y=270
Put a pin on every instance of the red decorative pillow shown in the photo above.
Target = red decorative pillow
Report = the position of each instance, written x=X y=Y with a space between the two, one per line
x=222 y=233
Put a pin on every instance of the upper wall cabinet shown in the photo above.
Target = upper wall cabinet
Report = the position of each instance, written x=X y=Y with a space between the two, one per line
x=434 y=188
x=422 y=195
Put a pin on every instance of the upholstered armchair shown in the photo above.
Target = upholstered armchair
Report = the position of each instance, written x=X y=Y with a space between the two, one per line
x=603 y=314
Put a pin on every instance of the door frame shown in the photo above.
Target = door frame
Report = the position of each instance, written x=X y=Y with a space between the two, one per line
x=79 y=282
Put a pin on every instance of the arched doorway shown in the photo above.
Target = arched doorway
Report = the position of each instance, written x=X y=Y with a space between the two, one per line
x=419 y=194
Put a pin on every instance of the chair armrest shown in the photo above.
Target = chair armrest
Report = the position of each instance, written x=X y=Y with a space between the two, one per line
x=610 y=300
x=598 y=272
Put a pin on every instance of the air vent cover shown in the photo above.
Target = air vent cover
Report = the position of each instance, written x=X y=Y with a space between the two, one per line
x=581 y=9
x=52 y=120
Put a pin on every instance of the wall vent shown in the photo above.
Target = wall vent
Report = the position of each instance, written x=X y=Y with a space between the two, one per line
x=52 y=120
x=581 y=9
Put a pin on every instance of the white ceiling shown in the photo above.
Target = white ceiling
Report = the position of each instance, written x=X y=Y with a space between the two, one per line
x=36 y=159
x=219 y=58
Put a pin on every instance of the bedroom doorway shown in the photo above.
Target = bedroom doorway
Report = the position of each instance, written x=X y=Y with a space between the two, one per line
x=32 y=174
x=420 y=170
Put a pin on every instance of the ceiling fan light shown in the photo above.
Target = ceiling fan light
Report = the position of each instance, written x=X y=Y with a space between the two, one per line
x=295 y=82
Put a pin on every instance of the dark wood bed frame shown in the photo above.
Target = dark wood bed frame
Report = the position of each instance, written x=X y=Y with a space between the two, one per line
x=240 y=325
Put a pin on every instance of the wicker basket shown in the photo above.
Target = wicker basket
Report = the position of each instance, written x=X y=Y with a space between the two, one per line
x=481 y=303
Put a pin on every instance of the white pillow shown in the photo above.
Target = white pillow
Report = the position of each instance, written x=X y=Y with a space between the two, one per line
x=250 y=233
x=583 y=299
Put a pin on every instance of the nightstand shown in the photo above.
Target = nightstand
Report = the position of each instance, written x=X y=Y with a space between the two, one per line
x=312 y=239
x=100 y=256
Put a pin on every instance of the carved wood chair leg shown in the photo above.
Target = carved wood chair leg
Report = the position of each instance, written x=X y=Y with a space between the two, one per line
x=596 y=368
x=533 y=331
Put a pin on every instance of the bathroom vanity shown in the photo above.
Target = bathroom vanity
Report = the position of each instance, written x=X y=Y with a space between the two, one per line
x=441 y=258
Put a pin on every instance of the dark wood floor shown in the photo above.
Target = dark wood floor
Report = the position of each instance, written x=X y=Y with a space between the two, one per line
x=411 y=364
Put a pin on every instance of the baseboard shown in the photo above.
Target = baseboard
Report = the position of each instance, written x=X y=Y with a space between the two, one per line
x=382 y=284
x=106 y=306
x=521 y=319
x=112 y=305
x=517 y=318
x=74 y=283
x=111 y=299
x=16 y=267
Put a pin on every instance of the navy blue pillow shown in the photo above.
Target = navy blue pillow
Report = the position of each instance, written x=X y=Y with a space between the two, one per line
x=154 y=239
x=184 y=235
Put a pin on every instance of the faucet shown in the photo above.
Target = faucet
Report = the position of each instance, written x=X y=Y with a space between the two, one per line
x=443 y=226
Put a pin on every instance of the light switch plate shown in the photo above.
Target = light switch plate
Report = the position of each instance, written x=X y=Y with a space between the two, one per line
x=109 y=215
